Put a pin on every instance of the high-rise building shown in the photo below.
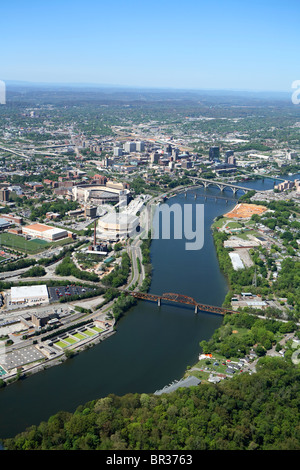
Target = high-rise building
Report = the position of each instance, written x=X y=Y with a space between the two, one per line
x=118 y=152
x=4 y=195
x=154 y=157
x=214 y=153
x=228 y=153
x=175 y=153
x=129 y=147
x=231 y=160
x=140 y=146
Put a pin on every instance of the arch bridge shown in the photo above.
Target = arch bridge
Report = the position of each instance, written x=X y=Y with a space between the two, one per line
x=220 y=184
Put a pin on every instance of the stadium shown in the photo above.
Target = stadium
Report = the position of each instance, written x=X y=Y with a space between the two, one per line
x=100 y=194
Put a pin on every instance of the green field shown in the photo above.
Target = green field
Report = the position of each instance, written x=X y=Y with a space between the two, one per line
x=61 y=344
x=17 y=242
x=89 y=333
x=79 y=336
x=70 y=340
x=98 y=330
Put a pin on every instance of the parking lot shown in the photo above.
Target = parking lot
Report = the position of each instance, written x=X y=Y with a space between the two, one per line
x=56 y=293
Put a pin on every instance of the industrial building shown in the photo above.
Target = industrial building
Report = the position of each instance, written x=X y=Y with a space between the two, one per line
x=29 y=295
x=44 y=232
x=40 y=319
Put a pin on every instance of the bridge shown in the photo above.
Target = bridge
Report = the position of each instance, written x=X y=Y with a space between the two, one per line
x=182 y=299
x=220 y=184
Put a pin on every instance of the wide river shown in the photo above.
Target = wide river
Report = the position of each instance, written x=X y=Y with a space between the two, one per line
x=153 y=345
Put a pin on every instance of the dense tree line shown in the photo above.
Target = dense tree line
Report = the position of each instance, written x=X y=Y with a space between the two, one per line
x=259 y=334
x=249 y=412
x=59 y=206
x=119 y=275
x=68 y=268
x=122 y=304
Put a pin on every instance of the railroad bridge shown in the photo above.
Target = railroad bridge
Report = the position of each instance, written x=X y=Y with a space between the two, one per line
x=182 y=299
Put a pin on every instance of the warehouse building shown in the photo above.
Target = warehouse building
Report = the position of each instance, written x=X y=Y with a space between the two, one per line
x=29 y=295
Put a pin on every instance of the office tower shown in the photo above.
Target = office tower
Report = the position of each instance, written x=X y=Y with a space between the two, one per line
x=214 y=153
x=129 y=147
x=4 y=195
x=140 y=146
x=228 y=153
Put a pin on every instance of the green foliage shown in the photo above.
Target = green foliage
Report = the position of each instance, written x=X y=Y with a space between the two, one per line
x=68 y=268
x=35 y=271
x=119 y=275
x=60 y=206
x=122 y=304
x=249 y=412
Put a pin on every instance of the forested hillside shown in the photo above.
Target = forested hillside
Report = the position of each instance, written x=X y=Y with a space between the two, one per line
x=253 y=412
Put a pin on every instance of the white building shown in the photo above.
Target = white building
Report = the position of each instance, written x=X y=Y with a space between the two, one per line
x=44 y=232
x=116 y=226
x=140 y=146
x=130 y=147
x=29 y=295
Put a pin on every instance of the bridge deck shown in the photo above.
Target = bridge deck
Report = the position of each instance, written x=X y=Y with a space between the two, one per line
x=183 y=299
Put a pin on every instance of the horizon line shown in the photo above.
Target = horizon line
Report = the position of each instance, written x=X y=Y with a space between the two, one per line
x=140 y=87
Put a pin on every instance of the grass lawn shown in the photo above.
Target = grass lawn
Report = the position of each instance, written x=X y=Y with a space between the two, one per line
x=89 y=333
x=219 y=223
x=61 y=344
x=95 y=328
x=70 y=340
x=79 y=336
x=245 y=236
x=234 y=225
x=20 y=243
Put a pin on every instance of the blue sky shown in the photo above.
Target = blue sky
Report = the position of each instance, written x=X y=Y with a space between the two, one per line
x=217 y=44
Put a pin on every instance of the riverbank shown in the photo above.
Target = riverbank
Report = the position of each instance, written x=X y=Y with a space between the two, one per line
x=153 y=345
x=236 y=346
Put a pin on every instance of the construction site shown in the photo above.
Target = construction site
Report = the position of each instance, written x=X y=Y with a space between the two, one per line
x=245 y=211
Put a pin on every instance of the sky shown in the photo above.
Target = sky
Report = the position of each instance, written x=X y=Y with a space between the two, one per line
x=187 y=44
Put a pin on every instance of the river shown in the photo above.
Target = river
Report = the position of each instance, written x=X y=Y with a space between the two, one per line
x=153 y=345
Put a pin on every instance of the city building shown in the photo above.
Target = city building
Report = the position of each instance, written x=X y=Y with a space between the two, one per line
x=130 y=147
x=295 y=185
x=29 y=295
x=214 y=153
x=44 y=232
x=40 y=319
x=4 y=195
x=118 y=152
x=116 y=226
x=4 y=224
x=228 y=153
x=91 y=211
x=140 y=146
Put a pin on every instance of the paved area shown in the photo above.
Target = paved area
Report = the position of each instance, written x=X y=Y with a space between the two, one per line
x=19 y=357
x=56 y=293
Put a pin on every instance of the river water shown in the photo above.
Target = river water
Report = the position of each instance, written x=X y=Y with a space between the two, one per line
x=153 y=345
